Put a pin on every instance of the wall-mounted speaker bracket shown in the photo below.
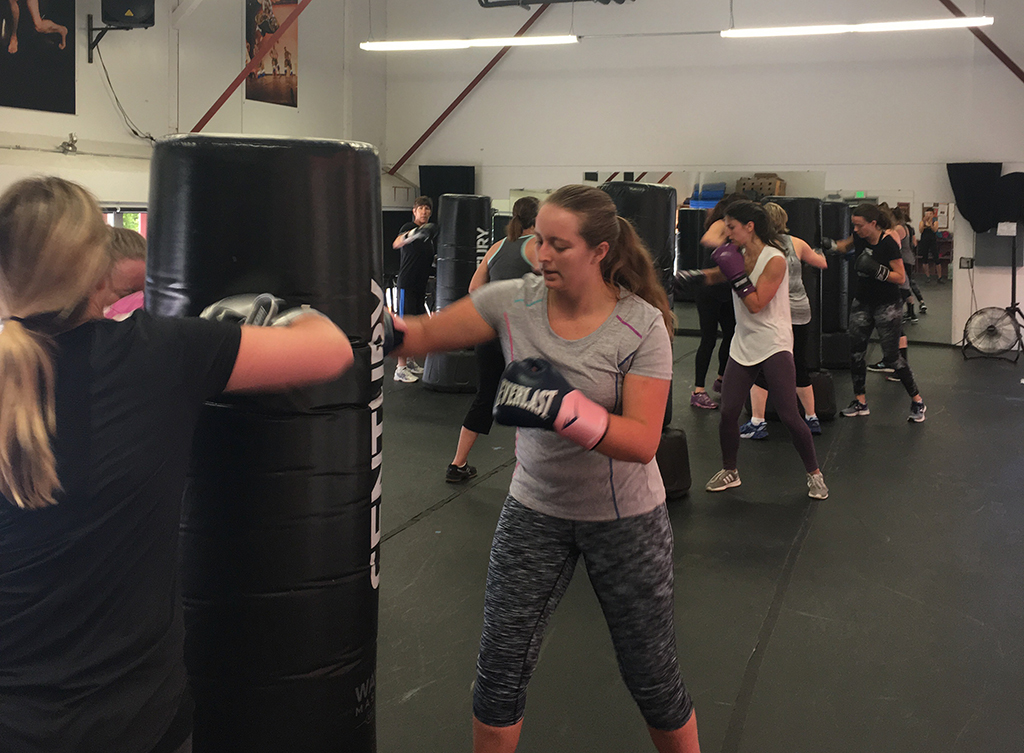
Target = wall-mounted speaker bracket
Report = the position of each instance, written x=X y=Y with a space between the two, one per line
x=94 y=43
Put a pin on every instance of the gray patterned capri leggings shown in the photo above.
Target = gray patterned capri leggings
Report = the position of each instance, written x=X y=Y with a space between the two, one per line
x=887 y=318
x=629 y=562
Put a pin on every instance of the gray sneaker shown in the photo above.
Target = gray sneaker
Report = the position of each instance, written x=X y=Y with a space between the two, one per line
x=856 y=408
x=816 y=488
x=916 y=412
x=403 y=374
x=414 y=367
x=724 y=479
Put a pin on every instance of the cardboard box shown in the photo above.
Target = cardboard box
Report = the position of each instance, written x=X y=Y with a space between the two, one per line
x=762 y=184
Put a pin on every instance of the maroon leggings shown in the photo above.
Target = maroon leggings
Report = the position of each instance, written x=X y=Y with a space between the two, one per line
x=780 y=373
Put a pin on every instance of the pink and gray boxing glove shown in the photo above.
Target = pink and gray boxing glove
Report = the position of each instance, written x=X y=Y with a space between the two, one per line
x=533 y=394
x=730 y=260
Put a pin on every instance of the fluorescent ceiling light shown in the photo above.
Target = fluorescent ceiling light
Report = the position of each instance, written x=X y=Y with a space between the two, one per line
x=794 y=31
x=463 y=44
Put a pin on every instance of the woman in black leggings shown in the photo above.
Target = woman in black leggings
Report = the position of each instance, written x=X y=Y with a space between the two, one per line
x=512 y=257
x=714 y=309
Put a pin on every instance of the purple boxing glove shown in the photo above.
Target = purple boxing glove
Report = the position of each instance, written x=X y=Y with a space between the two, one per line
x=730 y=260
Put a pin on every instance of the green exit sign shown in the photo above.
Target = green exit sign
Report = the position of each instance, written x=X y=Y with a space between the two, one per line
x=858 y=194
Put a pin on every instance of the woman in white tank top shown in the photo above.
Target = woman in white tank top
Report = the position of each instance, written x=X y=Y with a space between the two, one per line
x=763 y=342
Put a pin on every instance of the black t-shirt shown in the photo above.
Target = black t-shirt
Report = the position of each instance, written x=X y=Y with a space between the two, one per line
x=870 y=291
x=417 y=260
x=91 y=631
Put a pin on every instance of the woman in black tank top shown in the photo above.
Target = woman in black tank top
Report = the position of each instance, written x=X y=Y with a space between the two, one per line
x=508 y=259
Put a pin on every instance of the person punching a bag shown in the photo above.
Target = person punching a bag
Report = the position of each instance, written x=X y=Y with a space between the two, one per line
x=416 y=240
x=510 y=258
x=95 y=433
x=589 y=365
x=128 y=273
x=754 y=264
x=878 y=306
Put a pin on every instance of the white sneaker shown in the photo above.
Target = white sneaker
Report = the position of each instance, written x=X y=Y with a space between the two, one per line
x=723 y=480
x=816 y=488
x=414 y=367
x=404 y=374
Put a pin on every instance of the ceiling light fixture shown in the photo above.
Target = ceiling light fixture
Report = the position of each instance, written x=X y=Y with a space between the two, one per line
x=794 y=31
x=463 y=44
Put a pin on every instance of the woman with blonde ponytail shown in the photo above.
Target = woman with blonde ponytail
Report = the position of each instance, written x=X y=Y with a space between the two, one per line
x=589 y=355
x=96 y=422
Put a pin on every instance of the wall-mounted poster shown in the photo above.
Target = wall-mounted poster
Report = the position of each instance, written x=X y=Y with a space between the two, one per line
x=276 y=78
x=37 y=55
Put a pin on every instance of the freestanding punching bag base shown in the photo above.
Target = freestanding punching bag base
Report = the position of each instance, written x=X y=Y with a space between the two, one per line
x=673 y=458
x=454 y=371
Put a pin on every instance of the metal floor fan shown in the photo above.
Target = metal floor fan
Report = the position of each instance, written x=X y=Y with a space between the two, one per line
x=994 y=332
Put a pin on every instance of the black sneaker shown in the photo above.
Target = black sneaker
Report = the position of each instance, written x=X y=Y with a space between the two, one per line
x=924 y=309
x=881 y=367
x=916 y=412
x=456 y=473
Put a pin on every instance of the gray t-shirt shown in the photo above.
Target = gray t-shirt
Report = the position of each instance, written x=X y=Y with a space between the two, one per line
x=554 y=475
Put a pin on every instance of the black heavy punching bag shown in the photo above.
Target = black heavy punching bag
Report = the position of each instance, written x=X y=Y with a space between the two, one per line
x=690 y=224
x=652 y=210
x=836 y=295
x=463 y=239
x=281 y=523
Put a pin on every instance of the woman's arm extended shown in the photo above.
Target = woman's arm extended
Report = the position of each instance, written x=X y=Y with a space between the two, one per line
x=457 y=325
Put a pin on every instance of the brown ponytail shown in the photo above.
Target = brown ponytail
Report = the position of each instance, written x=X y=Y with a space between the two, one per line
x=524 y=215
x=628 y=263
x=53 y=254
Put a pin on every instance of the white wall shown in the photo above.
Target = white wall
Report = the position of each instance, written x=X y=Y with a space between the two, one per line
x=882 y=113
x=167 y=78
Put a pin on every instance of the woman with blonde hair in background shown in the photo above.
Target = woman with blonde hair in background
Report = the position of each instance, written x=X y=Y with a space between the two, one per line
x=96 y=423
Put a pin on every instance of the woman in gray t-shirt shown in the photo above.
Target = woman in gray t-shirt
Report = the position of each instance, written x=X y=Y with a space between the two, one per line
x=598 y=320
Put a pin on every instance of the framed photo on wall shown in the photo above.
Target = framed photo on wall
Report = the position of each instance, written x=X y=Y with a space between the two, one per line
x=37 y=55
x=276 y=78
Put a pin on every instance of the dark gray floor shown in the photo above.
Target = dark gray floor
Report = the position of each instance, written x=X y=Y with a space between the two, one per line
x=886 y=618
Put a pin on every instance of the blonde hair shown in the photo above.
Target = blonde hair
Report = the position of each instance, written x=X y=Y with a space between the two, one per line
x=628 y=262
x=127 y=244
x=777 y=217
x=53 y=254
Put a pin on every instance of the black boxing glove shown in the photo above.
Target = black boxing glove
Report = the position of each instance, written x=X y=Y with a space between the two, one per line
x=248 y=308
x=867 y=266
x=533 y=394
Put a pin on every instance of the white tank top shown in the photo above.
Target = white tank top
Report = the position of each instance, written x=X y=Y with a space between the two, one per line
x=769 y=331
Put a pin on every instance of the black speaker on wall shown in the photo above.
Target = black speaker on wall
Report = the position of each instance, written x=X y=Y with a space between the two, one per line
x=128 y=14
x=436 y=180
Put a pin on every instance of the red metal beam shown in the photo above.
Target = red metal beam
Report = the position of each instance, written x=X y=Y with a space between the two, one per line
x=987 y=41
x=465 y=93
x=261 y=52
x=640 y=177
x=665 y=176
x=611 y=177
